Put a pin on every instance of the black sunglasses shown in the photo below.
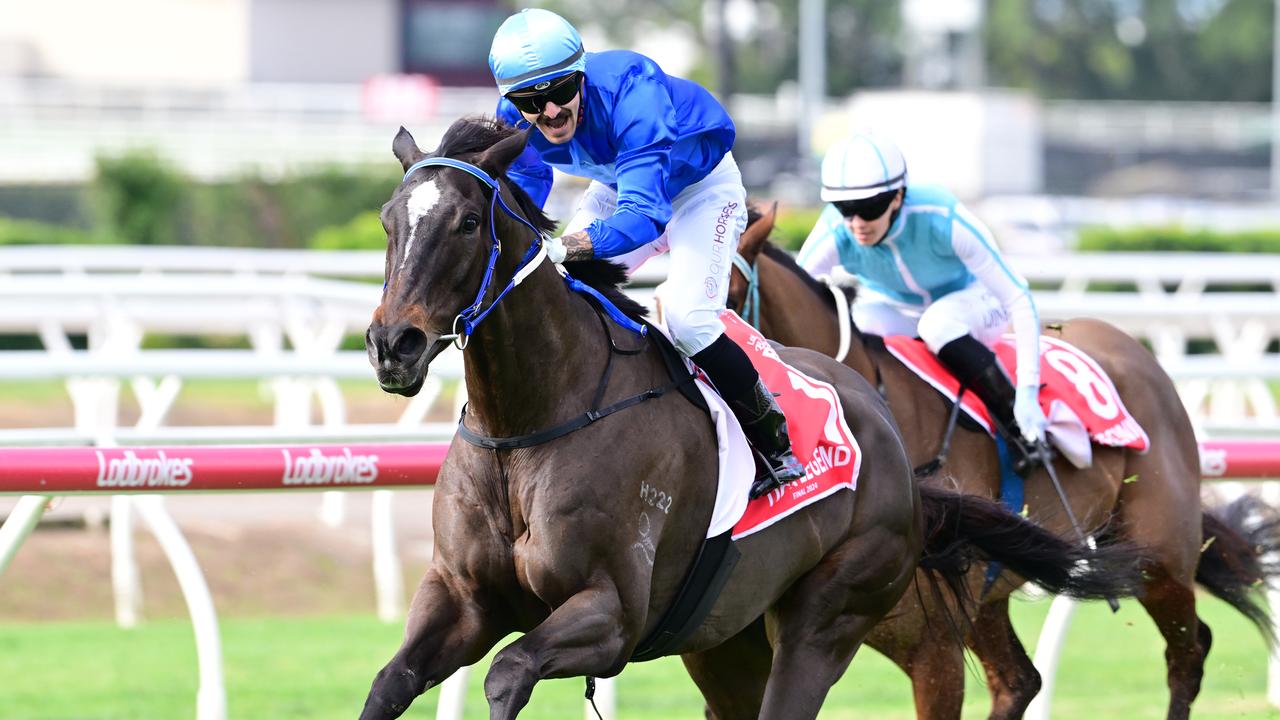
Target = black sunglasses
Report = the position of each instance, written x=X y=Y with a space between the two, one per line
x=866 y=208
x=561 y=92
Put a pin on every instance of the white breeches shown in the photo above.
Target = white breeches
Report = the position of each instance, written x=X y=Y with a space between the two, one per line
x=706 y=219
x=974 y=311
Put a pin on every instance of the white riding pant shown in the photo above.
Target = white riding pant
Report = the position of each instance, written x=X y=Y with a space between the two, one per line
x=975 y=311
x=706 y=219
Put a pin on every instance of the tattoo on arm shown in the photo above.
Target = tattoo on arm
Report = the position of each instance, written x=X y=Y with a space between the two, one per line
x=578 y=246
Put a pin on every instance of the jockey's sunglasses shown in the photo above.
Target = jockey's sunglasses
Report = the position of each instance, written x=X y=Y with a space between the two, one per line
x=560 y=92
x=866 y=208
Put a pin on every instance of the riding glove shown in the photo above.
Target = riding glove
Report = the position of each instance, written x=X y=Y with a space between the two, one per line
x=555 y=249
x=1028 y=414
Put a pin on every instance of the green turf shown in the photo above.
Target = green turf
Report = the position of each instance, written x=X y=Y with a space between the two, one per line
x=321 y=668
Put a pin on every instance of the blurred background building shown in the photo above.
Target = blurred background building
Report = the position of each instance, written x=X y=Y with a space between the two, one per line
x=1042 y=114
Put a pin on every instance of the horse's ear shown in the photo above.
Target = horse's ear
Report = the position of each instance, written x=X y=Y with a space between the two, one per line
x=406 y=149
x=754 y=237
x=498 y=158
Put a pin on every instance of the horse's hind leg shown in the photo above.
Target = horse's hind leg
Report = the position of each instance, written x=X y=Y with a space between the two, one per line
x=821 y=621
x=1011 y=676
x=732 y=676
x=911 y=640
x=1173 y=607
x=1161 y=513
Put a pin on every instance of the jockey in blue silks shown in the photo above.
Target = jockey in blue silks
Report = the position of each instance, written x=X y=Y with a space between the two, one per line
x=929 y=268
x=657 y=151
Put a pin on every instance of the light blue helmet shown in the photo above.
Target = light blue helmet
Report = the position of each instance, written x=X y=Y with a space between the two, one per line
x=534 y=46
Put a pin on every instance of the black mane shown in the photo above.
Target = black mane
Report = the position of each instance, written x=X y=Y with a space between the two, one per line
x=783 y=258
x=477 y=133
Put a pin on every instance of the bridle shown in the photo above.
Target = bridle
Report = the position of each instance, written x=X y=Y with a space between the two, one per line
x=464 y=324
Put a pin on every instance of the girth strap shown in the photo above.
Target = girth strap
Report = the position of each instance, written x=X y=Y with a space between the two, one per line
x=601 y=306
x=564 y=428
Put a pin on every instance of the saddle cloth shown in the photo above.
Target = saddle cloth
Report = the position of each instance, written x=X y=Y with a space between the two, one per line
x=820 y=437
x=1077 y=395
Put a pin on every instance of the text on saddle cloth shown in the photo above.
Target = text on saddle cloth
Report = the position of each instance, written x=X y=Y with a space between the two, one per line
x=1075 y=390
x=820 y=435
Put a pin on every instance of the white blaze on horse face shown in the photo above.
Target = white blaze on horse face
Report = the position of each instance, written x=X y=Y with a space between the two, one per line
x=421 y=201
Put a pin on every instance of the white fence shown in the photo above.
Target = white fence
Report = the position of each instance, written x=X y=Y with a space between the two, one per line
x=295 y=309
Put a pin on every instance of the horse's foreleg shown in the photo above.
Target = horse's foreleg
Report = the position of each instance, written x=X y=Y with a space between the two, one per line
x=732 y=675
x=584 y=636
x=1011 y=676
x=446 y=630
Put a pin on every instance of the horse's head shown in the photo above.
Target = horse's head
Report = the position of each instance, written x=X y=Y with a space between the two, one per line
x=438 y=246
x=750 y=244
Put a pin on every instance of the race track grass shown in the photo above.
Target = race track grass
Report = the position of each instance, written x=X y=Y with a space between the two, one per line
x=320 y=668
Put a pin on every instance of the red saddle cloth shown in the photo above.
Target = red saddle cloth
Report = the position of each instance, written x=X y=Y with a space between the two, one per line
x=820 y=436
x=1072 y=384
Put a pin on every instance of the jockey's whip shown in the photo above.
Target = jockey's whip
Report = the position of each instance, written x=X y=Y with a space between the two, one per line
x=1044 y=455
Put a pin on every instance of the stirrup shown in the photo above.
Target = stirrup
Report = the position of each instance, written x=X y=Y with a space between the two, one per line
x=1030 y=455
x=770 y=480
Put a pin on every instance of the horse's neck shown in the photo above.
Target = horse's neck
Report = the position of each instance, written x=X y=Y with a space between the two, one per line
x=786 y=300
x=536 y=352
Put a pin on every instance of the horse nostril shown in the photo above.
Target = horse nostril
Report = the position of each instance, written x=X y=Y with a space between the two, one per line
x=410 y=345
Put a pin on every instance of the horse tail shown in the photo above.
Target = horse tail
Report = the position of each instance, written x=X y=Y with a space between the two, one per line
x=1240 y=556
x=960 y=529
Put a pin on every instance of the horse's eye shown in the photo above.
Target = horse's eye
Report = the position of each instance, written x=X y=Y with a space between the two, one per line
x=470 y=224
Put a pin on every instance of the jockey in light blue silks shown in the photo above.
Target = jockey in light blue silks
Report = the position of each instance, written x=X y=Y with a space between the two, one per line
x=657 y=151
x=928 y=268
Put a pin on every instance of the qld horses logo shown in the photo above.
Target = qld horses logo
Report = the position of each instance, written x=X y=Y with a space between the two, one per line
x=316 y=468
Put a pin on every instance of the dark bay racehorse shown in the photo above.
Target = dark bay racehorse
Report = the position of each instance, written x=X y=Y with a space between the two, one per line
x=1150 y=499
x=582 y=541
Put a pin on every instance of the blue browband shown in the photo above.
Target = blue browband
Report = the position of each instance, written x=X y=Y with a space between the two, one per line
x=467 y=320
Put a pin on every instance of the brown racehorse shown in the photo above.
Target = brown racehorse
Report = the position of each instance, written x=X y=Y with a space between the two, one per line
x=1151 y=499
x=561 y=539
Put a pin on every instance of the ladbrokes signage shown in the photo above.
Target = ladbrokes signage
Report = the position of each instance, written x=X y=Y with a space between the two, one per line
x=316 y=468
x=152 y=470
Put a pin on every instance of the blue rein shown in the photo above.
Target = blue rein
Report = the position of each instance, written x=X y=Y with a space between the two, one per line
x=467 y=320
x=751 y=305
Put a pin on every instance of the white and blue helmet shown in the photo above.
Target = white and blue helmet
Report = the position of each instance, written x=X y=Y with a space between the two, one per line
x=862 y=166
x=532 y=47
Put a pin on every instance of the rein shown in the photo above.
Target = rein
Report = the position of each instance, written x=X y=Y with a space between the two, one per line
x=464 y=324
x=583 y=420
x=751 y=305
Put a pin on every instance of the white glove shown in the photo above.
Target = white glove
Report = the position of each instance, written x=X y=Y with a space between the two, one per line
x=555 y=249
x=1026 y=411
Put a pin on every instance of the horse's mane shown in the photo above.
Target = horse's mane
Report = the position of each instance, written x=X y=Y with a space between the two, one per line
x=783 y=258
x=477 y=133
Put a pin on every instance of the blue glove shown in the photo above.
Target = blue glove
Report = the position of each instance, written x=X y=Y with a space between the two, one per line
x=1026 y=411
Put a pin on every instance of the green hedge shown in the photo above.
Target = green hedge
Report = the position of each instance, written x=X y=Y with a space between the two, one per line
x=27 y=232
x=138 y=196
x=363 y=232
x=1177 y=239
x=140 y=199
x=793 y=226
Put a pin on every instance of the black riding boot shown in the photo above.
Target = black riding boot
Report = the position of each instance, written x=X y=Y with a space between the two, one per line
x=756 y=409
x=976 y=368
